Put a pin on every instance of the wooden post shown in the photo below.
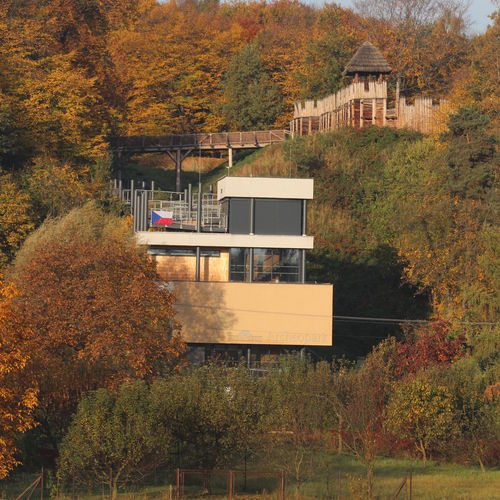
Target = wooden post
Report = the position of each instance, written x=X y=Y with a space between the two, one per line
x=411 y=482
x=178 y=483
x=397 y=96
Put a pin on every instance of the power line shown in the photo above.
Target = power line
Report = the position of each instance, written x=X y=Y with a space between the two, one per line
x=347 y=319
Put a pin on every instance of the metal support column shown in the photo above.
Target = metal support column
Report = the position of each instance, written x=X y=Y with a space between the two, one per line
x=230 y=158
x=198 y=262
x=132 y=196
x=304 y=217
x=199 y=210
x=249 y=357
x=145 y=199
x=178 y=164
x=250 y=265
x=303 y=266
x=198 y=229
x=252 y=215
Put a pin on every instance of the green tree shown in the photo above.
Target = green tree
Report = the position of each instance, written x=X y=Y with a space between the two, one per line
x=300 y=414
x=421 y=410
x=477 y=417
x=214 y=415
x=114 y=437
x=326 y=53
x=252 y=100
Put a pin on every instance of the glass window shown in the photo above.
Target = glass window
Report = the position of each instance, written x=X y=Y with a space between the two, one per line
x=183 y=252
x=238 y=264
x=278 y=216
x=277 y=265
x=269 y=265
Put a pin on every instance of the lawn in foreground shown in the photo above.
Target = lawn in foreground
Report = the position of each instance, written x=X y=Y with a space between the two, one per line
x=321 y=480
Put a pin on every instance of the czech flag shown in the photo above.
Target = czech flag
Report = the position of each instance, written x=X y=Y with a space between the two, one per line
x=161 y=218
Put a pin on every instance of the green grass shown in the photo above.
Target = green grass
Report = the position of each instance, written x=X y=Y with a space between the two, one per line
x=161 y=170
x=321 y=472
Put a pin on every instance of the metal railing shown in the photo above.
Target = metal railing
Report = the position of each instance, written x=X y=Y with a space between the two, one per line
x=218 y=140
x=182 y=205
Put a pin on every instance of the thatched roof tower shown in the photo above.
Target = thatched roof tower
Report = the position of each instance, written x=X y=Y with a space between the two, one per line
x=367 y=61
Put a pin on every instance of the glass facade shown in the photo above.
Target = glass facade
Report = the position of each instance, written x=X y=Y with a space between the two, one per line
x=269 y=265
x=239 y=267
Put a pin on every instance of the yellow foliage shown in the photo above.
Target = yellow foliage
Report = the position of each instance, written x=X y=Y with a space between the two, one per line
x=15 y=221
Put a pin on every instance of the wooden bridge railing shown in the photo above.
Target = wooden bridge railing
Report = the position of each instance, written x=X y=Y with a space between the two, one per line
x=219 y=140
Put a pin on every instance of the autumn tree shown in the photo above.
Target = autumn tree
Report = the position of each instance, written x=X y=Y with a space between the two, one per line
x=17 y=400
x=408 y=12
x=89 y=312
x=429 y=345
x=454 y=184
x=252 y=100
x=359 y=398
x=15 y=218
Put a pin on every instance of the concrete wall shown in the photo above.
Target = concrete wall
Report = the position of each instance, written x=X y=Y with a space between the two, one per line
x=255 y=313
x=265 y=187
x=222 y=240
x=179 y=268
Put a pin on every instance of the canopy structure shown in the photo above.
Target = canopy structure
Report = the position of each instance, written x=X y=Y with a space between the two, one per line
x=367 y=61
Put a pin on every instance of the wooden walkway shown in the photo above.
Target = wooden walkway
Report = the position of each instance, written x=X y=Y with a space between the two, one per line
x=209 y=141
x=178 y=147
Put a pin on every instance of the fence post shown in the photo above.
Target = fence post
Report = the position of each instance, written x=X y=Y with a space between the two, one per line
x=282 y=484
x=340 y=485
x=178 y=483
x=411 y=481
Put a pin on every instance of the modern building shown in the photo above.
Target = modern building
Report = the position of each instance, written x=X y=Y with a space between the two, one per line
x=236 y=259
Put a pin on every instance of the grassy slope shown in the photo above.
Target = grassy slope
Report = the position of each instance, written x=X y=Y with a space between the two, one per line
x=345 y=165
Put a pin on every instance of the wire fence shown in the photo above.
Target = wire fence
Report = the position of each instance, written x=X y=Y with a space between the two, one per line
x=179 y=484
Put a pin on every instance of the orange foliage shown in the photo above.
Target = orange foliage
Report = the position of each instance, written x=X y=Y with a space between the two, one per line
x=91 y=314
x=17 y=402
x=431 y=345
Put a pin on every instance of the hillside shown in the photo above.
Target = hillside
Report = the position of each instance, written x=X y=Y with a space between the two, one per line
x=383 y=201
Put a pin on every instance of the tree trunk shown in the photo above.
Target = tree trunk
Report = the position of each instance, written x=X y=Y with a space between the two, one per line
x=339 y=446
x=424 y=453
x=369 y=480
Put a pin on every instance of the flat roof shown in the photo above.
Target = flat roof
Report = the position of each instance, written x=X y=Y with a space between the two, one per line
x=265 y=187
